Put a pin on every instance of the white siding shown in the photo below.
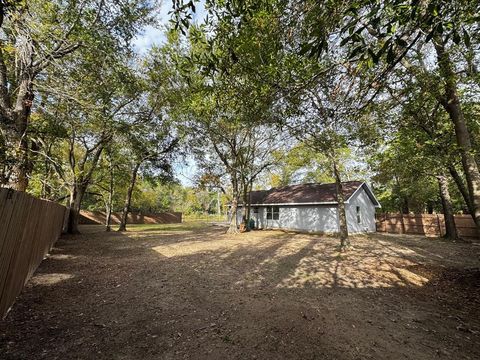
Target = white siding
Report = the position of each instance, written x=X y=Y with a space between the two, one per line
x=319 y=218
x=367 y=213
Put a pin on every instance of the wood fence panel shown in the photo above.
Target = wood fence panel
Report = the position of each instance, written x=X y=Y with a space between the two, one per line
x=15 y=235
x=424 y=224
x=18 y=272
x=12 y=235
x=98 y=217
x=28 y=229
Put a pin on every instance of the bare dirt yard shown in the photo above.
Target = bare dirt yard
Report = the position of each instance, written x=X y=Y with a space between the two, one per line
x=191 y=292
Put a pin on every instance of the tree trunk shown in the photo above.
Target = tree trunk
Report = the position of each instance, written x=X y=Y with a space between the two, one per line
x=430 y=207
x=233 y=228
x=249 y=205
x=450 y=227
x=74 y=205
x=451 y=103
x=342 y=217
x=21 y=114
x=128 y=199
x=463 y=190
x=245 y=205
x=403 y=230
x=108 y=217
x=21 y=169
x=405 y=206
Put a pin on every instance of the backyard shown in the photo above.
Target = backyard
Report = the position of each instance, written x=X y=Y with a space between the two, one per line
x=190 y=291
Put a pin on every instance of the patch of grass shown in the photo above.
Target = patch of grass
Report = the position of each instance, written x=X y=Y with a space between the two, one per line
x=214 y=217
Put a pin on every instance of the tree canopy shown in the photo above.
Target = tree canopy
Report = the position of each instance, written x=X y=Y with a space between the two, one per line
x=255 y=94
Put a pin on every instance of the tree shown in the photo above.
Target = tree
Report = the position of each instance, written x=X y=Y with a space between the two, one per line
x=150 y=143
x=327 y=120
x=401 y=33
x=88 y=102
x=231 y=75
x=37 y=36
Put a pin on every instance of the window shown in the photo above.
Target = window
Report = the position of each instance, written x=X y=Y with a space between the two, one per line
x=359 y=219
x=273 y=213
x=255 y=210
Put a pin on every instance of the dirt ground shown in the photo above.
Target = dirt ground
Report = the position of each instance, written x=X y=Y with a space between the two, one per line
x=191 y=292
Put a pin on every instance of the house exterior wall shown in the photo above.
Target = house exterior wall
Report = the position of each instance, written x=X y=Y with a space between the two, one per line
x=319 y=218
x=367 y=213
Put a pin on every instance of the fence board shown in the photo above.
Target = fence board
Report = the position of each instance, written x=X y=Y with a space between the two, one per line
x=424 y=224
x=28 y=229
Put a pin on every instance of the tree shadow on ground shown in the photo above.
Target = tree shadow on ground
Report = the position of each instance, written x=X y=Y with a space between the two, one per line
x=268 y=294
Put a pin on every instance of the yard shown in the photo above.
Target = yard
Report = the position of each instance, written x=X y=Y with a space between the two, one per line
x=190 y=291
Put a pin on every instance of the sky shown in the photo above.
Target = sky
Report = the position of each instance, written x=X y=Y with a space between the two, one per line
x=184 y=169
x=154 y=35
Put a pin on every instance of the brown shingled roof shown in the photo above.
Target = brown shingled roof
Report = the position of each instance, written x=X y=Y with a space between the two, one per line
x=304 y=193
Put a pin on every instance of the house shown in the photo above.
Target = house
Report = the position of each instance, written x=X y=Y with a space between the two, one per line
x=313 y=207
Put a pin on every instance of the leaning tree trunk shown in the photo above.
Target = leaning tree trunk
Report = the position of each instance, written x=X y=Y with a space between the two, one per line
x=76 y=196
x=450 y=227
x=463 y=190
x=451 y=103
x=128 y=198
x=342 y=217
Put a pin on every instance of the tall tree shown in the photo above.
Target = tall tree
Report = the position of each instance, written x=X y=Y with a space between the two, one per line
x=89 y=102
x=397 y=33
x=35 y=36
x=150 y=143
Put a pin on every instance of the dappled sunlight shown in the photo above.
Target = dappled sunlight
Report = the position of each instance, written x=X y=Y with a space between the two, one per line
x=307 y=261
x=224 y=243
x=50 y=279
x=367 y=265
x=272 y=262
x=277 y=259
x=61 y=256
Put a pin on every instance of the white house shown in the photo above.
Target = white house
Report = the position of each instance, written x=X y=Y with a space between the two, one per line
x=313 y=207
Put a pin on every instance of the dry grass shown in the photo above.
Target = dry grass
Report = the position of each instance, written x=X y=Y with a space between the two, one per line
x=191 y=291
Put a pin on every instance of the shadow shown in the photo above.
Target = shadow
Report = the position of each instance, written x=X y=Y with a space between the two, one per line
x=196 y=292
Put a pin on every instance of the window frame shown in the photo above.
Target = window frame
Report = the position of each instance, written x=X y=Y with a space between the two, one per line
x=273 y=212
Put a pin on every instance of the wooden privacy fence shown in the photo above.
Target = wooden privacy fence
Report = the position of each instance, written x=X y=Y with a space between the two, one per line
x=98 y=217
x=424 y=224
x=28 y=229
